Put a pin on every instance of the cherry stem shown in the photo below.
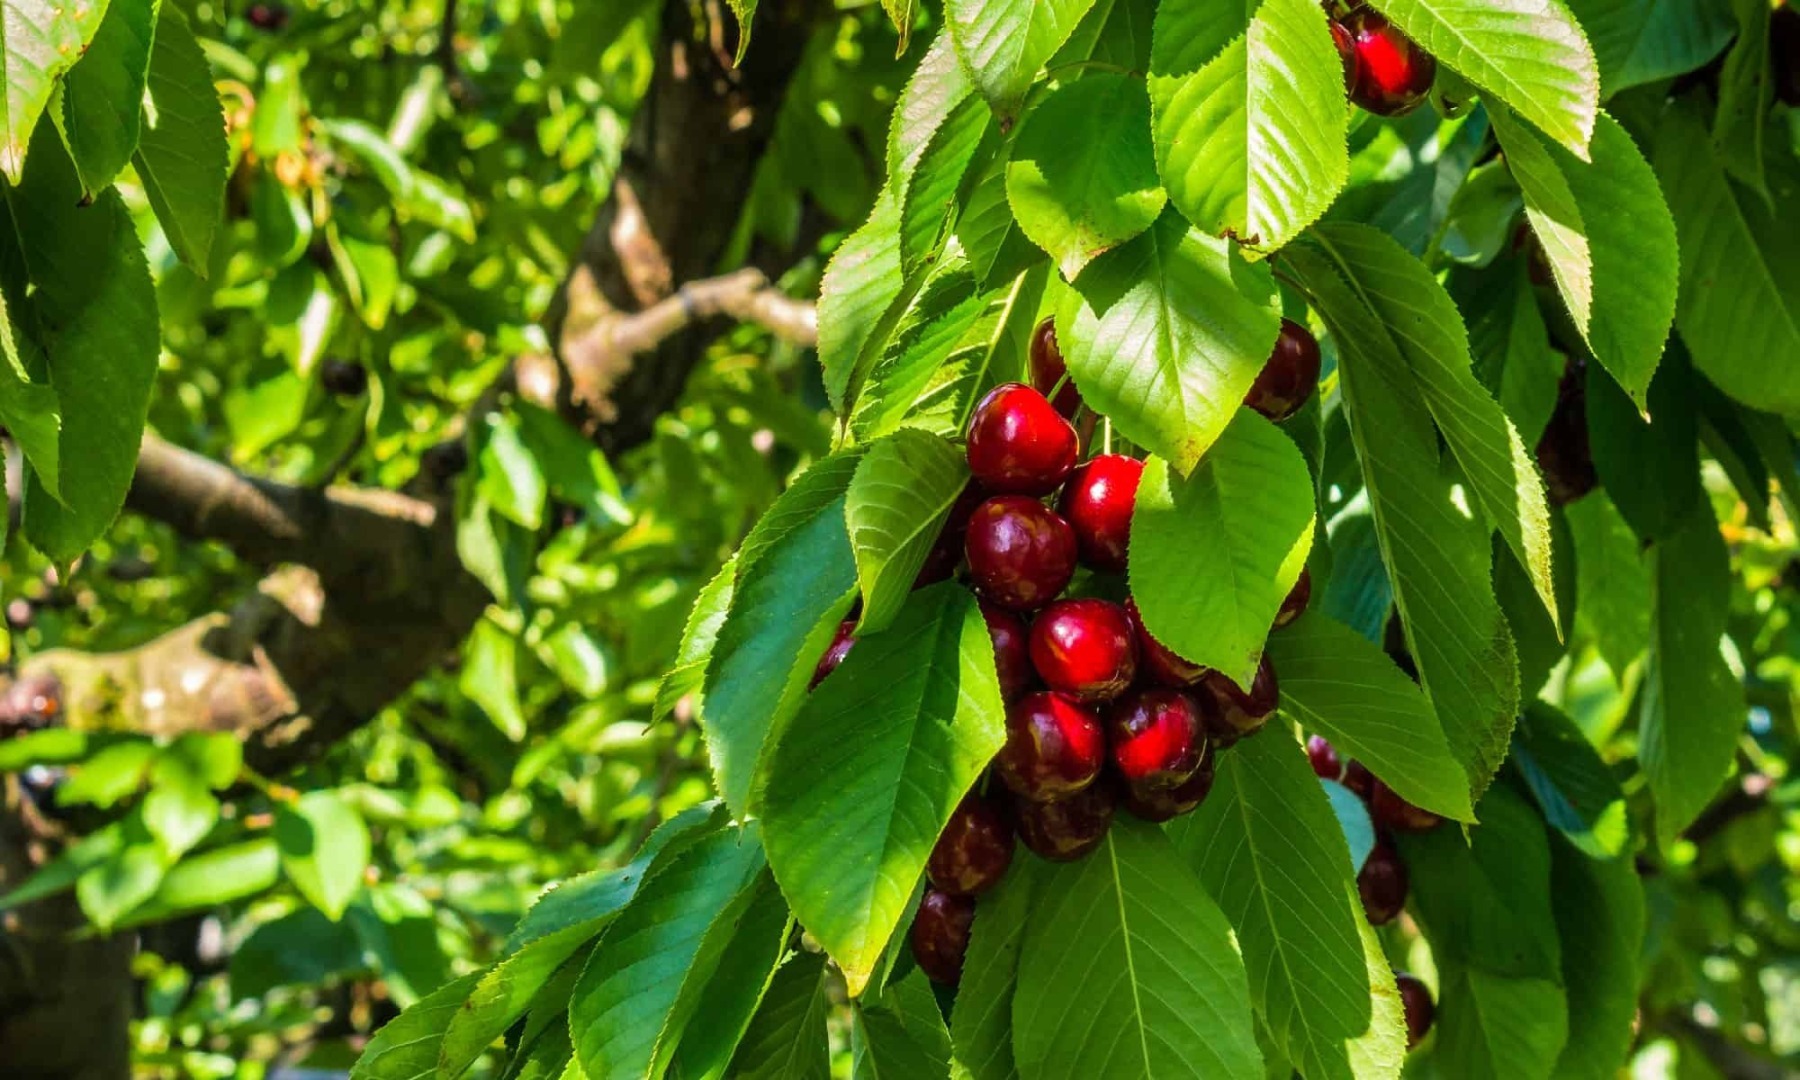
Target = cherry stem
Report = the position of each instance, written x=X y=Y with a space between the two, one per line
x=1106 y=437
x=1060 y=383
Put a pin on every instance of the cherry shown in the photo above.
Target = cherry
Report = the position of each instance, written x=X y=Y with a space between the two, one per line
x=1021 y=552
x=947 y=550
x=1240 y=712
x=1066 y=829
x=1048 y=369
x=940 y=935
x=841 y=643
x=1390 y=811
x=1324 y=758
x=1018 y=443
x=270 y=17
x=1158 y=737
x=1012 y=656
x=1359 y=780
x=1563 y=452
x=1346 y=47
x=1382 y=883
x=1415 y=1001
x=1290 y=376
x=1098 y=501
x=343 y=378
x=1054 y=746
x=1157 y=660
x=1293 y=605
x=1394 y=74
x=972 y=853
x=1165 y=804
x=1084 y=647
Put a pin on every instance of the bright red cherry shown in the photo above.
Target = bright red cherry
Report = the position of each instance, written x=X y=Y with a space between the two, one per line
x=1166 y=804
x=1048 y=369
x=1067 y=829
x=1324 y=758
x=1021 y=552
x=1018 y=443
x=1238 y=712
x=1097 y=501
x=839 y=648
x=1157 y=660
x=1415 y=1001
x=1290 y=376
x=1394 y=74
x=940 y=935
x=1346 y=47
x=1293 y=605
x=1012 y=654
x=1084 y=647
x=1054 y=746
x=1390 y=811
x=1158 y=737
x=1359 y=780
x=1382 y=883
x=972 y=853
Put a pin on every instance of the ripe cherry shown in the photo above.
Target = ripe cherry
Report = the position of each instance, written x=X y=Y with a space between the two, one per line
x=1166 y=804
x=1097 y=502
x=1415 y=1001
x=1054 y=746
x=1290 y=376
x=1564 y=453
x=1158 y=737
x=1157 y=660
x=1066 y=829
x=1048 y=369
x=1390 y=811
x=1346 y=47
x=1394 y=75
x=841 y=643
x=1293 y=605
x=1324 y=758
x=972 y=853
x=1084 y=647
x=1021 y=552
x=940 y=935
x=1359 y=780
x=1018 y=443
x=1012 y=654
x=1382 y=883
x=1241 y=712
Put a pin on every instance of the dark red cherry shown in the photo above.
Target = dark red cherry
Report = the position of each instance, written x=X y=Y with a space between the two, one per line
x=1018 y=443
x=947 y=550
x=1390 y=811
x=1166 y=804
x=1324 y=758
x=1157 y=736
x=1021 y=552
x=1415 y=1000
x=1346 y=47
x=1293 y=605
x=1012 y=653
x=1159 y=661
x=940 y=935
x=1290 y=376
x=1382 y=883
x=972 y=853
x=1097 y=502
x=1393 y=75
x=1359 y=780
x=839 y=648
x=1068 y=828
x=1048 y=369
x=1238 y=713
x=1084 y=647
x=1054 y=746
x=1564 y=454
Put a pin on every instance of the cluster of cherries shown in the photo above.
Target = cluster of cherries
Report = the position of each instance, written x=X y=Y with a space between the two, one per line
x=1385 y=71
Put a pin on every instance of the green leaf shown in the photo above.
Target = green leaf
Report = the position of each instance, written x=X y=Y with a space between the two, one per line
x=1574 y=788
x=787 y=1039
x=1691 y=707
x=928 y=207
x=698 y=636
x=1495 y=1027
x=509 y=474
x=44 y=39
x=1253 y=143
x=369 y=271
x=179 y=812
x=417 y=195
x=1612 y=581
x=1601 y=920
x=102 y=95
x=1082 y=176
x=113 y=773
x=903 y=13
x=745 y=10
x=51 y=746
x=1513 y=355
x=730 y=998
x=997 y=249
x=507 y=990
x=1478 y=223
x=182 y=157
x=894 y=509
x=407 y=1048
x=1745 y=90
x=1530 y=54
x=490 y=677
x=1165 y=335
x=324 y=849
x=109 y=891
x=912 y=366
x=1268 y=847
x=61 y=873
x=213 y=877
x=29 y=409
x=862 y=281
x=1610 y=241
x=981 y=1022
x=849 y=822
x=1214 y=555
x=901 y=1036
x=1129 y=970
x=1649 y=466
x=1640 y=41
x=1005 y=42
x=644 y=980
